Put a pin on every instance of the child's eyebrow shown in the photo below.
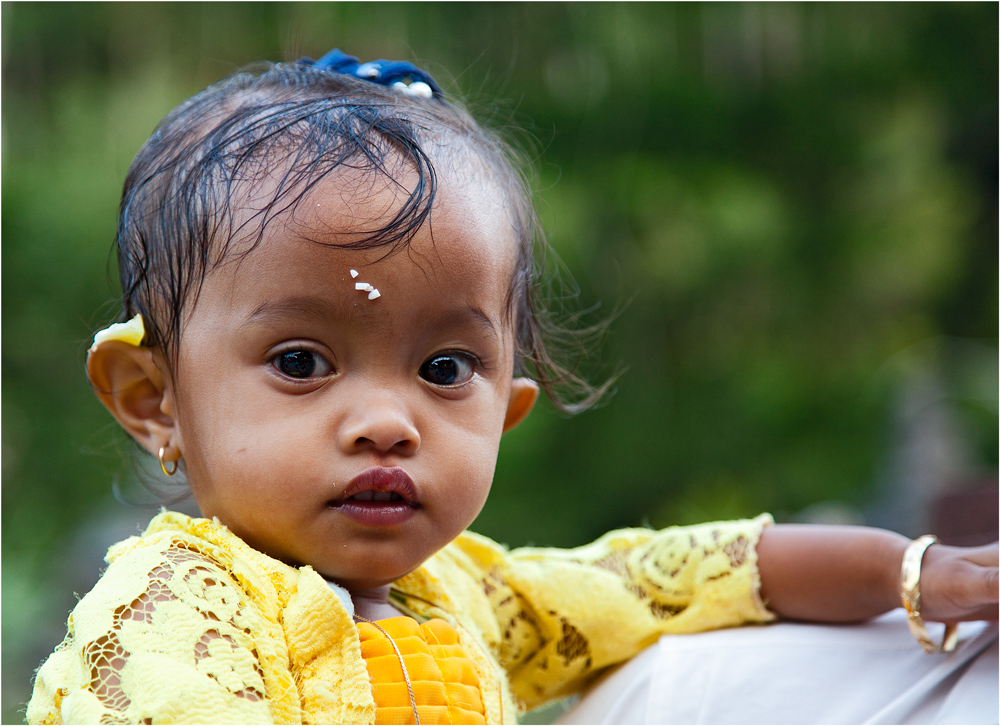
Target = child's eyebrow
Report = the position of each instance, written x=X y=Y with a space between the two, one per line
x=460 y=315
x=291 y=307
x=322 y=310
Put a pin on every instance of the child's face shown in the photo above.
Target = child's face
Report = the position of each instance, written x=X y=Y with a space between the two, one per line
x=295 y=392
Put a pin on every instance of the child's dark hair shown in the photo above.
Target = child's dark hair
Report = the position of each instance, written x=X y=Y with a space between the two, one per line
x=177 y=219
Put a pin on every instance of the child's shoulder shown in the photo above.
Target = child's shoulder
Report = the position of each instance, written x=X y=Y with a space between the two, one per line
x=174 y=539
x=179 y=563
x=169 y=538
x=180 y=617
x=176 y=579
x=173 y=531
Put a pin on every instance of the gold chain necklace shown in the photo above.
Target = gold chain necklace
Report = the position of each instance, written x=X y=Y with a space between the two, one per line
x=402 y=664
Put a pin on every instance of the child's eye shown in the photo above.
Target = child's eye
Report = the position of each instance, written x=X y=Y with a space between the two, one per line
x=301 y=364
x=448 y=369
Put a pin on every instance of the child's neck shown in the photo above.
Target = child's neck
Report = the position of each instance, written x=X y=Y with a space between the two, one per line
x=373 y=603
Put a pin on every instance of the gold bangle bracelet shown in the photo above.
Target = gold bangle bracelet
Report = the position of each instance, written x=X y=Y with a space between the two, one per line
x=909 y=590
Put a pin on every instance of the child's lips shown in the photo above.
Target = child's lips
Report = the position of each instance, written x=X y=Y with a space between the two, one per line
x=380 y=496
x=381 y=480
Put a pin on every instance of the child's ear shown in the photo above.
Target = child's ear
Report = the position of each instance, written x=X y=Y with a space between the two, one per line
x=523 y=394
x=133 y=388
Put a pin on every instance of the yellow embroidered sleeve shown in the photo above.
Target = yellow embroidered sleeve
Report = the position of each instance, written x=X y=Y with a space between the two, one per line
x=564 y=615
x=166 y=636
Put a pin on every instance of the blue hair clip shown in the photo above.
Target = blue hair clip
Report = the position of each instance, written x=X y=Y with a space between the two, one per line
x=384 y=72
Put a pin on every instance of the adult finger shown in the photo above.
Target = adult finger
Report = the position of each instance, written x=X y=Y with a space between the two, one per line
x=988 y=555
x=989 y=612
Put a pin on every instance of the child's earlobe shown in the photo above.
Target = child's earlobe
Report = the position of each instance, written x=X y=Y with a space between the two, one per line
x=523 y=394
x=130 y=384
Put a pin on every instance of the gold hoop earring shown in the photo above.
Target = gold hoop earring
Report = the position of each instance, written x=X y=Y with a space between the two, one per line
x=164 y=466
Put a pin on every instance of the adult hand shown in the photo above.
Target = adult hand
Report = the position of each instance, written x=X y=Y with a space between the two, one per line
x=959 y=583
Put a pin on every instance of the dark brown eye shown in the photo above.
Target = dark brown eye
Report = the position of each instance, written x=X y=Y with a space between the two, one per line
x=301 y=364
x=448 y=369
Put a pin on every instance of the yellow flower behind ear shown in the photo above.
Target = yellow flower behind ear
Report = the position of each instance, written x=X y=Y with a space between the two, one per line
x=131 y=332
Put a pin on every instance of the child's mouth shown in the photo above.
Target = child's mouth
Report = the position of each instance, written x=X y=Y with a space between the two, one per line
x=372 y=496
x=379 y=496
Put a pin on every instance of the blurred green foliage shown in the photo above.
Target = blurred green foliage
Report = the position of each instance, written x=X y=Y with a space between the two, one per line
x=780 y=198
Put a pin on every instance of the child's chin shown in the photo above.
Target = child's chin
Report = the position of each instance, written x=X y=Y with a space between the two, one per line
x=370 y=577
x=357 y=584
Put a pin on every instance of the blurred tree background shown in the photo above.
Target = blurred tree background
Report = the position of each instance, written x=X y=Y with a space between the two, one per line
x=793 y=206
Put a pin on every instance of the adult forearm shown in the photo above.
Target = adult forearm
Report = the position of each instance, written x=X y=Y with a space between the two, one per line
x=830 y=574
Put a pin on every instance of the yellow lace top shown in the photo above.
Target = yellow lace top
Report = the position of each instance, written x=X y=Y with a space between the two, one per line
x=190 y=625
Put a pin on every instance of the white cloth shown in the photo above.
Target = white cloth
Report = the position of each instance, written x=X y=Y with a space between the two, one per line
x=797 y=673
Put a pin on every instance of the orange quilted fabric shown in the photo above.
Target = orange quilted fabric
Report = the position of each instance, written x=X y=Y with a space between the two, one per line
x=445 y=682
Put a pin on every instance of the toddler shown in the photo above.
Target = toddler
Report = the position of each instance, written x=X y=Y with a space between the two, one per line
x=329 y=288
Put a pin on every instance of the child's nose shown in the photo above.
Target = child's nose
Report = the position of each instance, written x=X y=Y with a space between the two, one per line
x=383 y=425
